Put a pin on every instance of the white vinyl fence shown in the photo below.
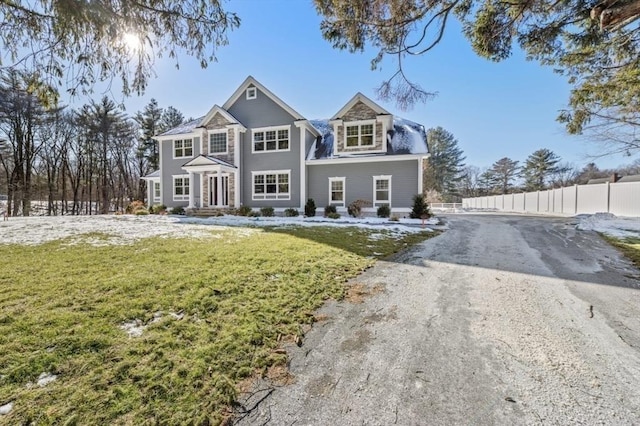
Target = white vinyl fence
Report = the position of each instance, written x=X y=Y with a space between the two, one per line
x=621 y=199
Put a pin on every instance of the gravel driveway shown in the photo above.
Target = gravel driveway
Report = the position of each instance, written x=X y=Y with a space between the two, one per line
x=500 y=320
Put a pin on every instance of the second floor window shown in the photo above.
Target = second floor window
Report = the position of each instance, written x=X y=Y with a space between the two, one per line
x=271 y=140
x=218 y=143
x=359 y=135
x=182 y=148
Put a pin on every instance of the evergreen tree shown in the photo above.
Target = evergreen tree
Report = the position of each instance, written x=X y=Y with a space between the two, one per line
x=150 y=122
x=444 y=169
x=538 y=168
x=86 y=41
x=503 y=173
x=171 y=118
x=594 y=44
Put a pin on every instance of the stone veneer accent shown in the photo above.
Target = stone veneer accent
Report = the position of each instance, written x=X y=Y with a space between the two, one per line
x=359 y=112
x=218 y=122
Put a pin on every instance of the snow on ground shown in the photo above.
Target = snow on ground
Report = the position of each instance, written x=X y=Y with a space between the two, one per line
x=609 y=224
x=126 y=229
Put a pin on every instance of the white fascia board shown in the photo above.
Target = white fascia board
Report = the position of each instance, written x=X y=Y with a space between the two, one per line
x=359 y=97
x=376 y=159
x=308 y=126
x=252 y=81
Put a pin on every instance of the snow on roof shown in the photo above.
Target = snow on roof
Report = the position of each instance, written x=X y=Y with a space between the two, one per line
x=187 y=127
x=152 y=175
x=406 y=137
x=630 y=178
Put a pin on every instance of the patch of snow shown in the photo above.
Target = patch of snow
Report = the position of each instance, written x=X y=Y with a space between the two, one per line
x=187 y=127
x=6 y=408
x=45 y=378
x=127 y=229
x=609 y=224
x=133 y=328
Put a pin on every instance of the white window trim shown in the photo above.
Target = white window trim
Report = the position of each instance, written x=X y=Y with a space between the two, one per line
x=214 y=132
x=173 y=146
x=159 y=197
x=252 y=93
x=273 y=197
x=269 y=129
x=344 y=191
x=377 y=202
x=183 y=197
x=359 y=124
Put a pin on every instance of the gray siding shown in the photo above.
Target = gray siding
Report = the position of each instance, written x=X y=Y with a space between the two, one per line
x=258 y=113
x=359 y=181
x=170 y=167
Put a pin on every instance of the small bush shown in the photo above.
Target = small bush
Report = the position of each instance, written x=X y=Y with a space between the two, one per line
x=330 y=209
x=384 y=211
x=244 y=211
x=158 y=209
x=394 y=218
x=310 y=208
x=134 y=206
x=333 y=215
x=291 y=212
x=266 y=211
x=420 y=208
x=253 y=214
x=177 y=210
x=355 y=209
x=141 y=212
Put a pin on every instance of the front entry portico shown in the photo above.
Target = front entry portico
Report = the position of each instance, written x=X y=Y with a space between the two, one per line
x=217 y=182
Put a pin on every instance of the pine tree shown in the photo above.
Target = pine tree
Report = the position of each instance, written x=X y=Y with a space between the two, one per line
x=503 y=173
x=538 y=168
x=171 y=118
x=445 y=165
x=150 y=121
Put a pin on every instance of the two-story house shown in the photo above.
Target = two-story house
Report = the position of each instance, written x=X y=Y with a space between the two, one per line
x=257 y=151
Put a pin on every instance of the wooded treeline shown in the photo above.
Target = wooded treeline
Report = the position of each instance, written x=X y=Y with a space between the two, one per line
x=81 y=161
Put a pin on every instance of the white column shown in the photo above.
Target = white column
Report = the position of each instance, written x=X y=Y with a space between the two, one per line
x=201 y=174
x=420 y=175
x=191 y=188
x=303 y=169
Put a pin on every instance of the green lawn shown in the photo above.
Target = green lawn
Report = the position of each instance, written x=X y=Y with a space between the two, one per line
x=62 y=307
x=630 y=247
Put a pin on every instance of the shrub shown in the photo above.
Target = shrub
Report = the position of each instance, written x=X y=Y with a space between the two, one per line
x=291 y=212
x=384 y=211
x=244 y=211
x=141 y=212
x=355 y=209
x=253 y=214
x=158 y=209
x=310 y=208
x=394 y=218
x=134 y=206
x=177 y=210
x=420 y=208
x=266 y=211
x=330 y=209
x=333 y=215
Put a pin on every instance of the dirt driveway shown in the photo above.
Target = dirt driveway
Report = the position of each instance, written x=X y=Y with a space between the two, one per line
x=500 y=320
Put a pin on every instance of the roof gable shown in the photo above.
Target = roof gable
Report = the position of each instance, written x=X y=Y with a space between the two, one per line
x=250 y=81
x=359 y=97
x=218 y=110
x=203 y=160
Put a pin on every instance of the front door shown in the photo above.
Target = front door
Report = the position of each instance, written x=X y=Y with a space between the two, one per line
x=219 y=191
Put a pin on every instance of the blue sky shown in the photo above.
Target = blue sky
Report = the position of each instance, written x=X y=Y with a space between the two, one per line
x=495 y=110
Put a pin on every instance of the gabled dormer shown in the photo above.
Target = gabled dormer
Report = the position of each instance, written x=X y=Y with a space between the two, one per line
x=361 y=127
x=222 y=135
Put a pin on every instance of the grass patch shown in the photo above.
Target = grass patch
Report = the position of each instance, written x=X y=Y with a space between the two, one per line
x=62 y=307
x=378 y=243
x=629 y=246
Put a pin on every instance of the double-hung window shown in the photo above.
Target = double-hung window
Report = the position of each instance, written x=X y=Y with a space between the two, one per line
x=182 y=148
x=181 y=188
x=271 y=185
x=360 y=135
x=218 y=143
x=156 y=191
x=336 y=191
x=381 y=190
x=271 y=140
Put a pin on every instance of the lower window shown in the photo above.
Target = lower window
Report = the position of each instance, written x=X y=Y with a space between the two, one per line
x=336 y=191
x=272 y=185
x=381 y=190
x=180 y=188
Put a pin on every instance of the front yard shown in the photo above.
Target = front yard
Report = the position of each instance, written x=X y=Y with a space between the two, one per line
x=98 y=328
